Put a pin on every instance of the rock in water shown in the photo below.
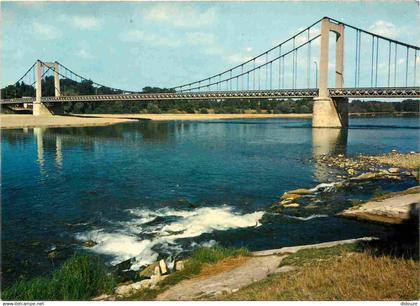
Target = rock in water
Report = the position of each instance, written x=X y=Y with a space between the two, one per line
x=163 y=267
x=179 y=265
x=89 y=243
x=394 y=170
x=365 y=176
x=299 y=191
x=351 y=171
x=291 y=205
x=290 y=196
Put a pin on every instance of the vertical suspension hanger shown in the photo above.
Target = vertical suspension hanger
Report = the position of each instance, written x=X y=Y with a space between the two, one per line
x=279 y=66
x=356 y=58
x=359 y=59
x=293 y=64
x=395 y=66
x=271 y=75
x=266 y=70
x=253 y=78
x=406 y=68
x=376 y=65
x=415 y=63
x=282 y=72
x=308 y=61
x=389 y=62
x=371 y=70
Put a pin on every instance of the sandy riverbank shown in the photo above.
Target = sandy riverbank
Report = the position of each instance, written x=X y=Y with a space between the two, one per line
x=28 y=121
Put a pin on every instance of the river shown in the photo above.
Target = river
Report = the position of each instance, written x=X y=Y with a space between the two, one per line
x=153 y=189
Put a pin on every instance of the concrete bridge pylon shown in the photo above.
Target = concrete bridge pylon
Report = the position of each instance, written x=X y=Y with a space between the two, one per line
x=328 y=112
x=40 y=108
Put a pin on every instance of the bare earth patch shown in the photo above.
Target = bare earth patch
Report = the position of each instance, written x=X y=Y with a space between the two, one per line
x=254 y=269
x=224 y=265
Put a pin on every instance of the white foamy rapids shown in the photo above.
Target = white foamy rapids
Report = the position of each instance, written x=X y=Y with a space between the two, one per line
x=307 y=218
x=126 y=242
x=326 y=187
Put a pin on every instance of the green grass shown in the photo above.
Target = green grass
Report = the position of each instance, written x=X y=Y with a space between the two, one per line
x=305 y=256
x=193 y=266
x=79 y=278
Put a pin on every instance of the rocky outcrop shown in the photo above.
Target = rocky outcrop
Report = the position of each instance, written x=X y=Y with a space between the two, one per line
x=395 y=209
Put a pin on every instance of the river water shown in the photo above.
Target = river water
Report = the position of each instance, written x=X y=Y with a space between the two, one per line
x=153 y=189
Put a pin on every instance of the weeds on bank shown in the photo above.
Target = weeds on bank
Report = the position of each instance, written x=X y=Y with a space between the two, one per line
x=193 y=266
x=341 y=274
x=304 y=256
x=79 y=278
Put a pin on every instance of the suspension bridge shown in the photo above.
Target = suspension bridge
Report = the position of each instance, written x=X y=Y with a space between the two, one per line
x=298 y=67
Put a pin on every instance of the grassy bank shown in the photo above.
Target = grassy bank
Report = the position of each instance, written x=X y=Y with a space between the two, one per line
x=339 y=273
x=79 y=278
x=84 y=277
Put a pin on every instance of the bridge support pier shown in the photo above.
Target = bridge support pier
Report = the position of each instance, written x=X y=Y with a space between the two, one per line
x=41 y=109
x=330 y=113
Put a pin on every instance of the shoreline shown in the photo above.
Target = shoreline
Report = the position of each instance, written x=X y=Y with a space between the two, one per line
x=18 y=121
x=13 y=121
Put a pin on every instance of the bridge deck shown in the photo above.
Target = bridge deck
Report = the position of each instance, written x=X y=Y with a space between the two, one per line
x=383 y=92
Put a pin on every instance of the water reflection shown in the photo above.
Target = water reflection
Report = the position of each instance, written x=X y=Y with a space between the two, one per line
x=326 y=141
x=39 y=138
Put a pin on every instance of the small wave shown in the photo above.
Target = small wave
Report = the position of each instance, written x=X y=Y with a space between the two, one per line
x=307 y=218
x=326 y=187
x=126 y=242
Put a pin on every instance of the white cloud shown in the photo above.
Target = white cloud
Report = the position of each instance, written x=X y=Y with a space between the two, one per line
x=246 y=55
x=86 y=22
x=46 y=31
x=384 y=28
x=83 y=53
x=141 y=36
x=303 y=38
x=180 y=16
x=200 y=38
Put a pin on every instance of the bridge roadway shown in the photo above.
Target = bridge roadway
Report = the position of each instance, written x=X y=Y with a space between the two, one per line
x=368 y=92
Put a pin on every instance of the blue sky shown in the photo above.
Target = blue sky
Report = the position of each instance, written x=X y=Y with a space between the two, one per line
x=130 y=45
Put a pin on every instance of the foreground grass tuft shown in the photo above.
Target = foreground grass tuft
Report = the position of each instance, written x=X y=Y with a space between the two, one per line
x=79 y=278
x=350 y=276
x=193 y=266
x=303 y=257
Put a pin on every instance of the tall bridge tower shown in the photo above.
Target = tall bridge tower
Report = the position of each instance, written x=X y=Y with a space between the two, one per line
x=328 y=112
x=40 y=108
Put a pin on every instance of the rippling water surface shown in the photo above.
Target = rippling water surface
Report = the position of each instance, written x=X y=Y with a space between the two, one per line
x=151 y=189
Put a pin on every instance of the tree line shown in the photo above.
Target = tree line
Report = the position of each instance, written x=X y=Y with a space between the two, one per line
x=275 y=106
